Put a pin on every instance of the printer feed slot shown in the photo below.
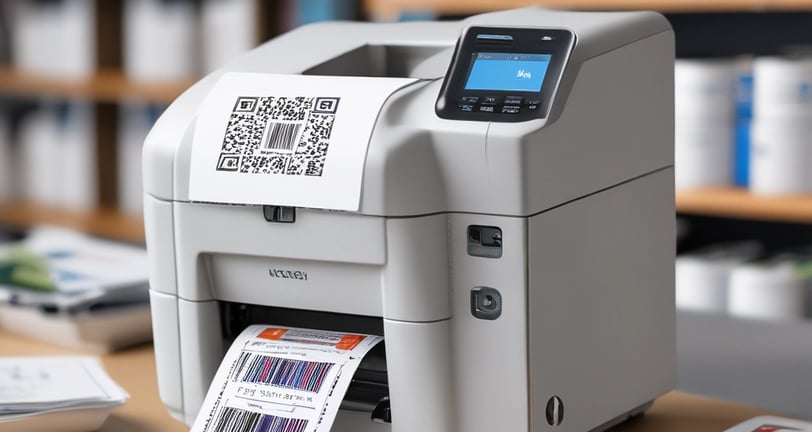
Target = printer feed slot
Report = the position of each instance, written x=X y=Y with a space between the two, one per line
x=369 y=390
x=395 y=61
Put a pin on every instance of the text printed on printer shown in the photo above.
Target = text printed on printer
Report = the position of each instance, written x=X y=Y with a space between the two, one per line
x=287 y=274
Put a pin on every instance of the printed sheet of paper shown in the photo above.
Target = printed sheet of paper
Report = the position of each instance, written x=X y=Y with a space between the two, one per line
x=290 y=140
x=32 y=384
x=771 y=424
x=282 y=379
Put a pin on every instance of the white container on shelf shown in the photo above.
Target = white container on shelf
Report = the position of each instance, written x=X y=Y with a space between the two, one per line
x=702 y=276
x=703 y=155
x=79 y=180
x=704 y=90
x=135 y=122
x=160 y=40
x=782 y=87
x=767 y=290
x=39 y=164
x=781 y=156
x=58 y=156
x=55 y=38
x=228 y=28
x=704 y=99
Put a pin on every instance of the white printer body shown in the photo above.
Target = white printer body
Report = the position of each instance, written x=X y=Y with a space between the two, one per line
x=513 y=245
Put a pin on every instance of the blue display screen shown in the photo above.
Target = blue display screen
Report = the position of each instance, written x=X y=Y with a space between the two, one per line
x=508 y=72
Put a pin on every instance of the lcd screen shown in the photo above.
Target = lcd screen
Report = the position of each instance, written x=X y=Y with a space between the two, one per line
x=508 y=72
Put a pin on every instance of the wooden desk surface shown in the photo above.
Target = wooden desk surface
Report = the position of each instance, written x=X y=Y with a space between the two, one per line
x=134 y=370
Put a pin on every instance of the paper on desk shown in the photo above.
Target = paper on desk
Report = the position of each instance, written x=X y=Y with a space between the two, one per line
x=33 y=385
x=288 y=140
x=771 y=424
x=279 y=378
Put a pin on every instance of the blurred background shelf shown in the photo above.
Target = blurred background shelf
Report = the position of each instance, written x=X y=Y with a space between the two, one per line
x=107 y=85
x=105 y=222
x=739 y=203
x=391 y=9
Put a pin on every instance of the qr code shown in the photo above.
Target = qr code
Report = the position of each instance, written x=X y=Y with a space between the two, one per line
x=278 y=135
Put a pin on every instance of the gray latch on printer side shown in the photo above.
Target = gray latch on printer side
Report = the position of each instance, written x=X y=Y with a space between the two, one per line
x=279 y=214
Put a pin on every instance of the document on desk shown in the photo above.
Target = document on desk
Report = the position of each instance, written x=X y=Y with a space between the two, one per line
x=71 y=393
x=282 y=379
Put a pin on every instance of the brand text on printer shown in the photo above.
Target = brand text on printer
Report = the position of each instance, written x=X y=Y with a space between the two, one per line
x=287 y=274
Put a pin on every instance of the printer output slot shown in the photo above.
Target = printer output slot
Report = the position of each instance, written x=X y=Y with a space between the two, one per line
x=397 y=61
x=369 y=388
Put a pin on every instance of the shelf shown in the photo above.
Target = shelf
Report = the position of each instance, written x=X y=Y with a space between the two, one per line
x=739 y=203
x=391 y=9
x=104 y=86
x=102 y=222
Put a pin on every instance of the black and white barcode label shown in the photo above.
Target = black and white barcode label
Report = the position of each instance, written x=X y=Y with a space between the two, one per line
x=287 y=140
x=281 y=137
x=282 y=379
x=238 y=420
x=278 y=135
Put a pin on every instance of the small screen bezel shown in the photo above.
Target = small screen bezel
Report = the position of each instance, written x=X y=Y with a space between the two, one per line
x=558 y=43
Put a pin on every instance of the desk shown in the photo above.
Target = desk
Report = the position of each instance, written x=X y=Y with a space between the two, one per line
x=134 y=370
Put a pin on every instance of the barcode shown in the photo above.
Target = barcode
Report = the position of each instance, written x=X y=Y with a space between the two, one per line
x=294 y=374
x=281 y=136
x=238 y=420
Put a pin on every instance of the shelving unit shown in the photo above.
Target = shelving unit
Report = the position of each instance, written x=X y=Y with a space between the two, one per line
x=103 y=221
x=107 y=85
x=738 y=203
x=391 y=9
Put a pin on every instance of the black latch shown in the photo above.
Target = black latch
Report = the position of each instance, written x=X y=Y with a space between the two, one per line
x=382 y=412
x=279 y=214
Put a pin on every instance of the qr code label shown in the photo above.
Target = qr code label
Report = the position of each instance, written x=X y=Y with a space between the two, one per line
x=278 y=135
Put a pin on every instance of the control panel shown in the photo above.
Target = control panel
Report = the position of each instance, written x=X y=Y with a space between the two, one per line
x=504 y=74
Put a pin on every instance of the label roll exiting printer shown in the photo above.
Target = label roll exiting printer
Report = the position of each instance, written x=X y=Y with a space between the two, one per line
x=494 y=197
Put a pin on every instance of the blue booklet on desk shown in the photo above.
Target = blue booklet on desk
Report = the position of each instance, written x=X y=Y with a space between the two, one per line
x=72 y=289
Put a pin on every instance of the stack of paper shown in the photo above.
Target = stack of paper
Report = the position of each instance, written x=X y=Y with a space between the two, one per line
x=68 y=288
x=55 y=393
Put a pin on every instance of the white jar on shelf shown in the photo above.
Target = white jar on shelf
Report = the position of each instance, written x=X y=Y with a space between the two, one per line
x=704 y=107
x=781 y=152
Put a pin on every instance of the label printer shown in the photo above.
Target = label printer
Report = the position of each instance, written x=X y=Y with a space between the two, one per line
x=494 y=196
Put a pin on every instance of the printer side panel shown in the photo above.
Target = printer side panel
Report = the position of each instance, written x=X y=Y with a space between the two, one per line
x=601 y=302
x=602 y=266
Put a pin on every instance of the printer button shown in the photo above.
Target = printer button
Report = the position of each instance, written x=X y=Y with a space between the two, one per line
x=490 y=100
x=511 y=109
x=513 y=100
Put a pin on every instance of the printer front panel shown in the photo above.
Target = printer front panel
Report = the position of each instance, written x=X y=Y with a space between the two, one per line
x=489 y=349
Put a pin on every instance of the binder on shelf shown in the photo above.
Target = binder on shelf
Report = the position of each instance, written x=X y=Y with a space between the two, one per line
x=55 y=38
x=135 y=122
x=57 y=155
x=227 y=29
x=159 y=40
